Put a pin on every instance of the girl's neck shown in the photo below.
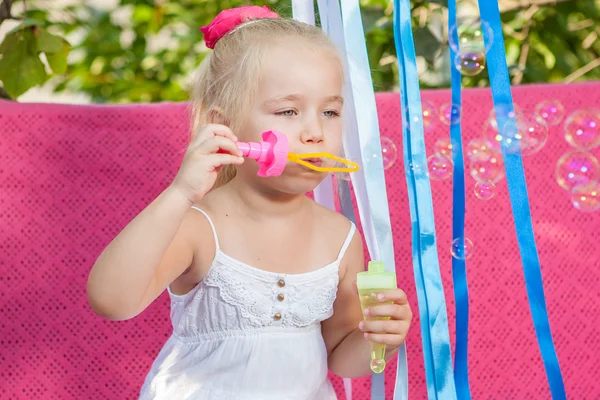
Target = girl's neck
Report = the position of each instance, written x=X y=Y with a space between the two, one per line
x=259 y=202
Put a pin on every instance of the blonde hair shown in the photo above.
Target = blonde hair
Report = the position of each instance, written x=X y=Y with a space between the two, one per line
x=226 y=81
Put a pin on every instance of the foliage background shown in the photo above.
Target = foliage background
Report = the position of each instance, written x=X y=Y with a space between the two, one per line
x=145 y=50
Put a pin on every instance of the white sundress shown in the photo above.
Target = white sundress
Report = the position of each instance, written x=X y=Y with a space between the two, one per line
x=248 y=334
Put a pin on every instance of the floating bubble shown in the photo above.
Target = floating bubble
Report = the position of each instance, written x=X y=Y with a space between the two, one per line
x=485 y=190
x=479 y=149
x=430 y=116
x=439 y=166
x=503 y=112
x=416 y=168
x=443 y=146
x=508 y=136
x=469 y=32
x=490 y=170
x=470 y=61
x=552 y=111
x=389 y=152
x=461 y=249
x=586 y=197
x=450 y=114
x=577 y=168
x=526 y=132
x=582 y=129
x=345 y=176
x=533 y=131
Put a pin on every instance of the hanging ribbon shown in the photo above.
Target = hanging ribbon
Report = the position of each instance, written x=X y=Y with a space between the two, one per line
x=362 y=141
x=430 y=292
x=334 y=30
x=304 y=11
x=459 y=268
x=517 y=189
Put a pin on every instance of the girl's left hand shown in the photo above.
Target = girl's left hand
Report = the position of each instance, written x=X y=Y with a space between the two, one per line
x=390 y=332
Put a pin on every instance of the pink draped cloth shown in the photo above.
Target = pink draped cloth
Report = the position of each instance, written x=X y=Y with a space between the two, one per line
x=72 y=176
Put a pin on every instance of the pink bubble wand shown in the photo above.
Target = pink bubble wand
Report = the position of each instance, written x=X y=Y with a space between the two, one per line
x=272 y=156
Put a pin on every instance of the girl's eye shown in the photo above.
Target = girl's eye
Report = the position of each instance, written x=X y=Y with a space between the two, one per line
x=331 y=113
x=287 y=113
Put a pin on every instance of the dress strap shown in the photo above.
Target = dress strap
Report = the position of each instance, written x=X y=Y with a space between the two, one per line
x=211 y=225
x=347 y=241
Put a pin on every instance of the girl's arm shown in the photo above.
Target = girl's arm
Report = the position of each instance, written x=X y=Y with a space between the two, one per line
x=347 y=347
x=157 y=246
x=149 y=254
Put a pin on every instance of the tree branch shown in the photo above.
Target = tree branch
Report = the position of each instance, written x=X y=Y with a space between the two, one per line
x=512 y=5
x=583 y=70
x=5 y=7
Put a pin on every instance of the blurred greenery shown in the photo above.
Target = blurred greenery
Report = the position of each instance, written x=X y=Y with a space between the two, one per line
x=144 y=50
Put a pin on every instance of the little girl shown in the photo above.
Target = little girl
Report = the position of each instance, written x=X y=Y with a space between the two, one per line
x=261 y=278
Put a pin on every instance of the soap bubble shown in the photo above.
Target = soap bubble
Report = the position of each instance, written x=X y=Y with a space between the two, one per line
x=526 y=132
x=470 y=61
x=503 y=112
x=485 y=190
x=462 y=249
x=450 y=114
x=586 y=197
x=416 y=168
x=430 y=116
x=470 y=32
x=577 y=168
x=443 y=146
x=439 y=166
x=490 y=170
x=552 y=111
x=345 y=176
x=389 y=152
x=533 y=131
x=582 y=129
x=479 y=149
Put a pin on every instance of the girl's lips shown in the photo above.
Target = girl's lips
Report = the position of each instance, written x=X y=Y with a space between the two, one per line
x=314 y=161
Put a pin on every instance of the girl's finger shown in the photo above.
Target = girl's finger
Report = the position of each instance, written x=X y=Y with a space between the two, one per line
x=393 y=311
x=220 y=144
x=211 y=130
x=380 y=326
x=218 y=160
x=397 y=296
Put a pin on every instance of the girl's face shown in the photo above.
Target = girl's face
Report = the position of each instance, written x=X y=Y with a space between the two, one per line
x=300 y=95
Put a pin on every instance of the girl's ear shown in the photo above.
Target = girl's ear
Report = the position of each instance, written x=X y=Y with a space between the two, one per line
x=217 y=116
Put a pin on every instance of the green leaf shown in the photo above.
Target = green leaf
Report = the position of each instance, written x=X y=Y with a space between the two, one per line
x=8 y=43
x=47 y=42
x=58 y=60
x=26 y=23
x=21 y=69
x=142 y=13
x=549 y=58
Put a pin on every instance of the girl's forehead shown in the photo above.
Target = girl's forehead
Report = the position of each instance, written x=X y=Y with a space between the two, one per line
x=300 y=71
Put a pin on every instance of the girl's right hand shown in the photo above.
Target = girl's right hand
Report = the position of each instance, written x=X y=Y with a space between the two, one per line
x=213 y=147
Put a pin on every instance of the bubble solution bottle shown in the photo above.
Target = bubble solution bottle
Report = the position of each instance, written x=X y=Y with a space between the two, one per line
x=370 y=283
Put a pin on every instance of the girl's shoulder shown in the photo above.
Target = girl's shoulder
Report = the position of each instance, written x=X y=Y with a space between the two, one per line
x=333 y=222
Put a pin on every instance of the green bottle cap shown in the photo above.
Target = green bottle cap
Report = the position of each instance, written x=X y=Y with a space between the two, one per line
x=376 y=277
x=376 y=267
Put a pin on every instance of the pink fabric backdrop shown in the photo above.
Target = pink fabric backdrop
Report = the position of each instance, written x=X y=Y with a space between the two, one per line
x=72 y=176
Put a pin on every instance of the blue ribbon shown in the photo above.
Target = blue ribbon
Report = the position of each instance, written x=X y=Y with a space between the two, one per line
x=459 y=269
x=430 y=292
x=515 y=177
